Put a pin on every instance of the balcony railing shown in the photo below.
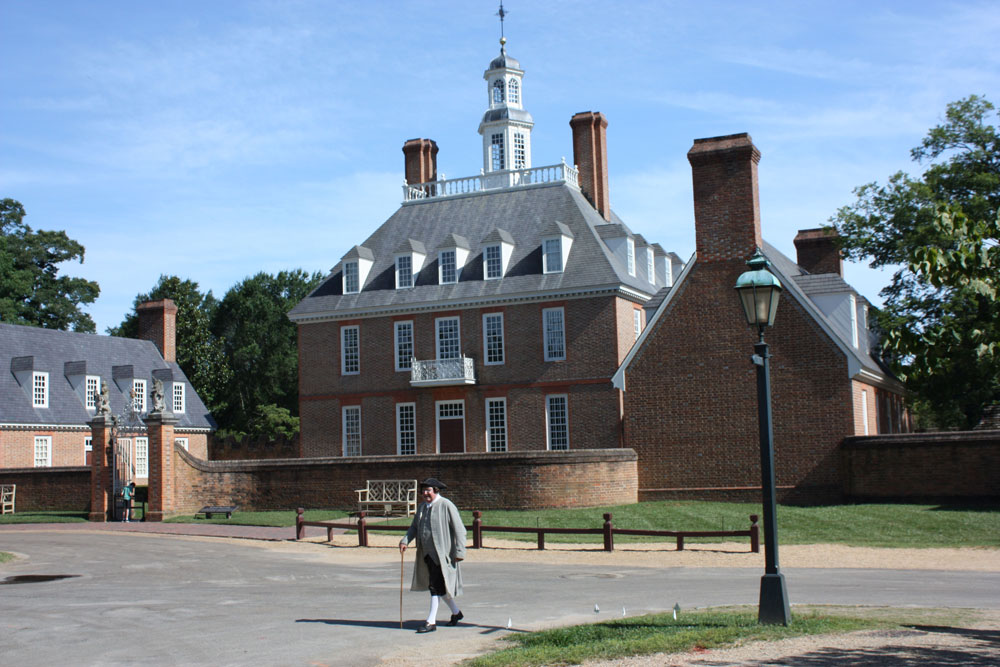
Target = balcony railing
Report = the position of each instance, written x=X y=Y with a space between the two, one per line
x=494 y=180
x=442 y=372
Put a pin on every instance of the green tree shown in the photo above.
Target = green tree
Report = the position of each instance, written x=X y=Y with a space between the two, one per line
x=260 y=345
x=199 y=352
x=941 y=318
x=31 y=291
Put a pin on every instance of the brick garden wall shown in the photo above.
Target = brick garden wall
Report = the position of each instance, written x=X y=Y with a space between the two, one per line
x=961 y=464
x=520 y=480
x=40 y=489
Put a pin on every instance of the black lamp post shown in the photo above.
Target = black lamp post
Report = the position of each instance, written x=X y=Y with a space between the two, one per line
x=759 y=289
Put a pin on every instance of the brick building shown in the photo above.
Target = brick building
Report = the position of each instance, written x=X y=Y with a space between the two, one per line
x=690 y=396
x=488 y=313
x=52 y=382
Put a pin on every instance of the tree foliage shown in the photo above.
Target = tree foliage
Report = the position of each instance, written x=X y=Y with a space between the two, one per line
x=31 y=291
x=941 y=318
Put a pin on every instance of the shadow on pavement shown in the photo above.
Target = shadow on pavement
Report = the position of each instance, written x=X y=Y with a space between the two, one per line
x=407 y=625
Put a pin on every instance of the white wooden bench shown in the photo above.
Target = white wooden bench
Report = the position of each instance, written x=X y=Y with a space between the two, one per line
x=7 y=498
x=386 y=495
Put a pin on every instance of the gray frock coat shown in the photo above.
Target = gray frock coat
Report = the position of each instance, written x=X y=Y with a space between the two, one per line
x=449 y=544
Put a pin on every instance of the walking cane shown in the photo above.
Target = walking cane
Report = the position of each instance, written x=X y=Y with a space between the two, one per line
x=400 y=590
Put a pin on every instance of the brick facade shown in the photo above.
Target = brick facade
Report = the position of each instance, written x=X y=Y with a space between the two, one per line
x=48 y=489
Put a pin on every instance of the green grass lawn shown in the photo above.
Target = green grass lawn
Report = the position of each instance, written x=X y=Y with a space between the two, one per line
x=270 y=518
x=718 y=628
x=43 y=517
x=4 y=556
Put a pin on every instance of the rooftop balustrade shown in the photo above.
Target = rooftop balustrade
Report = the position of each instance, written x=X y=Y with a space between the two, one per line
x=493 y=180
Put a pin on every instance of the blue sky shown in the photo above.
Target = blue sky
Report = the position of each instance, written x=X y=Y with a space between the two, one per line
x=213 y=140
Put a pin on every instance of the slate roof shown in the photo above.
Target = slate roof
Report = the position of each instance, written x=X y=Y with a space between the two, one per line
x=526 y=214
x=55 y=352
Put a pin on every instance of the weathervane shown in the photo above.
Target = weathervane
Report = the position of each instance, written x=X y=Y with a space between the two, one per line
x=502 y=14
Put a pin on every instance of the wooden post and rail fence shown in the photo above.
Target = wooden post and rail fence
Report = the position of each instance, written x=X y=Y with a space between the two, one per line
x=478 y=528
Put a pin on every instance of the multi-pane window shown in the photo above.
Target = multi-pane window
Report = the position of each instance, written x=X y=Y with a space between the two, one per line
x=404 y=345
x=650 y=266
x=350 y=350
x=139 y=395
x=637 y=322
x=178 y=397
x=496 y=424
x=183 y=442
x=40 y=389
x=513 y=92
x=446 y=262
x=496 y=152
x=854 y=320
x=404 y=271
x=449 y=344
x=630 y=255
x=352 y=430
x=142 y=457
x=552 y=255
x=406 y=428
x=555 y=334
x=557 y=421
x=498 y=91
x=351 y=285
x=493 y=258
x=493 y=338
x=520 y=161
x=43 y=451
x=92 y=389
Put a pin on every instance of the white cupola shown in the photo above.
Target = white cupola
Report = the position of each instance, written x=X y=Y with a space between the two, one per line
x=506 y=126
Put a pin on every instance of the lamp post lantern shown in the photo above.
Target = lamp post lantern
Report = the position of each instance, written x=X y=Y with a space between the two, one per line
x=758 y=290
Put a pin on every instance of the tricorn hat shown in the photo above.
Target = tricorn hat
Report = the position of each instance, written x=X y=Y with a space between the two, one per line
x=433 y=481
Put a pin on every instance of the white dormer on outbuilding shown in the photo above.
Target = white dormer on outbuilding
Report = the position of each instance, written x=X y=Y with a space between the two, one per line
x=452 y=255
x=355 y=266
x=506 y=126
x=409 y=259
x=498 y=246
x=557 y=240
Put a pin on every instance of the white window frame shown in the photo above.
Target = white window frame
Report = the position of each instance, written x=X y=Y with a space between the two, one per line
x=853 y=305
x=352 y=278
x=552 y=442
x=493 y=266
x=43 y=451
x=350 y=353
x=499 y=92
x=630 y=256
x=496 y=429
x=40 y=389
x=142 y=457
x=351 y=439
x=406 y=432
x=491 y=355
x=139 y=398
x=438 y=322
x=552 y=250
x=513 y=92
x=178 y=397
x=404 y=352
x=637 y=322
x=404 y=271
x=554 y=340
x=498 y=160
x=448 y=266
x=442 y=406
x=92 y=388
x=520 y=151
x=864 y=411
x=650 y=266
x=183 y=442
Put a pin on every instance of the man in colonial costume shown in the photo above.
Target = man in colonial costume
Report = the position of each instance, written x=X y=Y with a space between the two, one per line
x=440 y=535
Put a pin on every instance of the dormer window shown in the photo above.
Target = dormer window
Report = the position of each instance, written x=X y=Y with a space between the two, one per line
x=446 y=263
x=40 y=389
x=513 y=92
x=139 y=395
x=650 y=265
x=404 y=271
x=92 y=389
x=409 y=260
x=854 y=321
x=351 y=283
x=630 y=255
x=555 y=247
x=498 y=91
x=498 y=246
x=493 y=258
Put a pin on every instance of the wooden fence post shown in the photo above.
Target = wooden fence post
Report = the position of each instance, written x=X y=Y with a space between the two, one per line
x=362 y=530
x=754 y=534
x=609 y=536
x=477 y=530
x=300 y=530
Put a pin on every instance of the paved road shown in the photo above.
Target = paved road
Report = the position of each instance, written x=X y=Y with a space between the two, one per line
x=168 y=600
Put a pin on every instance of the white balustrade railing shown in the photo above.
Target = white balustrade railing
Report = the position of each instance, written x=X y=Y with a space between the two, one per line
x=443 y=371
x=494 y=180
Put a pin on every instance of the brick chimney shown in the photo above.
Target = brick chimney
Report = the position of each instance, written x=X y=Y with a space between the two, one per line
x=726 y=201
x=158 y=323
x=590 y=155
x=818 y=252
x=421 y=161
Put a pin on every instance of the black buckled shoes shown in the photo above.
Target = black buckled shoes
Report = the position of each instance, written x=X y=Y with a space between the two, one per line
x=455 y=618
x=427 y=627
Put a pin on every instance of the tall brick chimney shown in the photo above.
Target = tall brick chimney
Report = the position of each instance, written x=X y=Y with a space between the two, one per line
x=421 y=161
x=818 y=252
x=590 y=154
x=726 y=201
x=158 y=323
